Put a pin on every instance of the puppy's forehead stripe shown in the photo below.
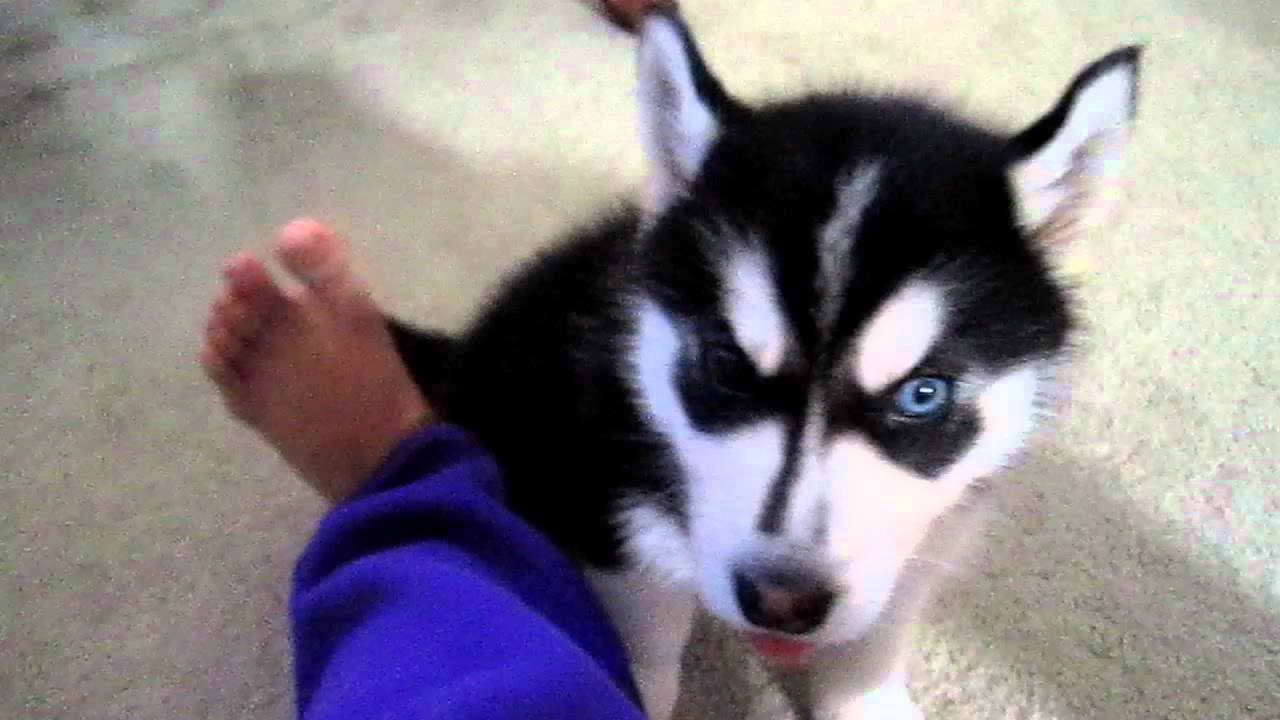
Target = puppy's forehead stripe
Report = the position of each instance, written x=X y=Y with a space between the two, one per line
x=899 y=335
x=835 y=242
x=803 y=448
x=754 y=310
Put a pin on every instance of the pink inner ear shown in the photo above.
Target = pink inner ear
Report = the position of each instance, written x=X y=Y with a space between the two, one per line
x=678 y=122
x=1055 y=202
x=1064 y=178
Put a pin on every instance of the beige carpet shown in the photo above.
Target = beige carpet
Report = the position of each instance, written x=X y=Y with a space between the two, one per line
x=147 y=540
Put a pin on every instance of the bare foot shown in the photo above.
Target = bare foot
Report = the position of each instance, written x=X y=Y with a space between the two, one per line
x=314 y=370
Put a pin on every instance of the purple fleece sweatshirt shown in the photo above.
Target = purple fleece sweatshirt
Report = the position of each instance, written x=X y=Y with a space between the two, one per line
x=424 y=597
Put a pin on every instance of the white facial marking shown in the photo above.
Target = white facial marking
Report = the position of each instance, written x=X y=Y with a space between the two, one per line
x=879 y=512
x=728 y=475
x=1086 y=150
x=1008 y=408
x=677 y=127
x=899 y=335
x=655 y=346
x=835 y=242
x=754 y=312
x=655 y=541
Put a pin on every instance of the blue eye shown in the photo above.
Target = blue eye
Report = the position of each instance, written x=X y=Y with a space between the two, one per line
x=923 y=397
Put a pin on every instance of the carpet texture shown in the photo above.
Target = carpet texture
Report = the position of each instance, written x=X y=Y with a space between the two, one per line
x=1131 y=570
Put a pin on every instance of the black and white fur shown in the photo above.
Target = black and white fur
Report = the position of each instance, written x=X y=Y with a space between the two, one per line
x=716 y=399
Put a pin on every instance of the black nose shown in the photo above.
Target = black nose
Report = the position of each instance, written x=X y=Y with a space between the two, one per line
x=790 y=603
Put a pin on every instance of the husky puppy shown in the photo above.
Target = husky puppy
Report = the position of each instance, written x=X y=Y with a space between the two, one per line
x=778 y=389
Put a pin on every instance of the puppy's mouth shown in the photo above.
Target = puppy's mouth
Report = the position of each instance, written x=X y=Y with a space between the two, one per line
x=780 y=650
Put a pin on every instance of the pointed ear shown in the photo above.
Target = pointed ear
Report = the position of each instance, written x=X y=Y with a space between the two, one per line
x=1063 y=162
x=683 y=108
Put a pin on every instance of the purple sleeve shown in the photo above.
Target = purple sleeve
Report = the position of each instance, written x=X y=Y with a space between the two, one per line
x=422 y=596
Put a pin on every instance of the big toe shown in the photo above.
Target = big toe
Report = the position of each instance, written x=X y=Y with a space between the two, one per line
x=317 y=257
x=248 y=280
x=250 y=297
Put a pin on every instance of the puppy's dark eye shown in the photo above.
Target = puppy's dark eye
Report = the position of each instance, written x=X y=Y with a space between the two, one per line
x=923 y=398
x=726 y=366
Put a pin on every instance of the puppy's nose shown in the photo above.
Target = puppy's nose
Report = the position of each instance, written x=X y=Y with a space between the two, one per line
x=789 y=603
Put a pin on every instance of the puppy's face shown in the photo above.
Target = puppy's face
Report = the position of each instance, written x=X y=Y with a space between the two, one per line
x=820 y=438
x=845 y=320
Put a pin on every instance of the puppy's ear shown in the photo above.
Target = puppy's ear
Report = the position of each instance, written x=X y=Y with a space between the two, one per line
x=1062 y=164
x=683 y=108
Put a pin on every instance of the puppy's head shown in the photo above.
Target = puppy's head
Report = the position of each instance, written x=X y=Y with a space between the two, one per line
x=846 y=320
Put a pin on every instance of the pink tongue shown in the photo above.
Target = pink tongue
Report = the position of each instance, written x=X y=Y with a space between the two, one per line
x=781 y=650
